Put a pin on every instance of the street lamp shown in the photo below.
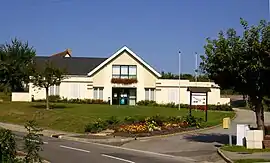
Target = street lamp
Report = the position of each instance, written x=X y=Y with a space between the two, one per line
x=179 y=74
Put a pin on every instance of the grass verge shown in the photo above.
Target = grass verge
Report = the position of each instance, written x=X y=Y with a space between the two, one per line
x=242 y=149
x=74 y=117
x=250 y=160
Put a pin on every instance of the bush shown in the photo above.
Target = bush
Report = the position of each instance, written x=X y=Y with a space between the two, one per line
x=193 y=121
x=112 y=121
x=173 y=105
x=97 y=126
x=8 y=145
x=267 y=130
x=58 y=99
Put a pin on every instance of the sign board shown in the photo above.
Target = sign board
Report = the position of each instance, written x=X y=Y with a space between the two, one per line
x=198 y=99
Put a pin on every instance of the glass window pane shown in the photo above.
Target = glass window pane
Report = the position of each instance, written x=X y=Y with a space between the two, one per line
x=51 y=90
x=101 y=93
x=124 y=70
x=116 y=70
x=124 y=77
x=95 y=93
x=152 y=94
x=146 y=94
x=132 y=70
x=57 y=90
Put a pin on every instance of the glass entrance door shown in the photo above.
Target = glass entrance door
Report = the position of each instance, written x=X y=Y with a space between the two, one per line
x=123 y=96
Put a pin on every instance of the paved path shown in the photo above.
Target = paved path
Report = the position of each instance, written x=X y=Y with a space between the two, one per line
x=197 y=145
x=66 y=151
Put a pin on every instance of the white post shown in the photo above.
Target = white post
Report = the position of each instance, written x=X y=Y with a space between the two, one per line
x=179 y=75
x=196 y=66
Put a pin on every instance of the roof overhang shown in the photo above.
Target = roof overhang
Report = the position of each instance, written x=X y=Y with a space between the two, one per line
x=119 y=52
x=199 y=89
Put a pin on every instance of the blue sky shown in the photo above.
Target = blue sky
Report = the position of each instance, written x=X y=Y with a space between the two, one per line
x=154 y=29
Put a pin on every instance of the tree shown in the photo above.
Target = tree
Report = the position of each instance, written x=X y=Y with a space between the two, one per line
x=16 y=65
x=241 y=63
x=48 y=76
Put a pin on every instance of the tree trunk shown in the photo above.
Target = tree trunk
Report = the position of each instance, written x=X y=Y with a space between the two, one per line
x=47 y=98
x=259 y=111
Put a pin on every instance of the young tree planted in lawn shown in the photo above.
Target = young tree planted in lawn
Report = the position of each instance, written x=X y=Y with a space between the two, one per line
x=241 y=62
x=48 y=76
x=16 y=66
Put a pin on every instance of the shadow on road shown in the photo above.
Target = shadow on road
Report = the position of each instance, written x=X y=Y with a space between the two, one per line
x=211 y=138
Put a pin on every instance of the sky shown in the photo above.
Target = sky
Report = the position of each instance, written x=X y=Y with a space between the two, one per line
x=156 y=30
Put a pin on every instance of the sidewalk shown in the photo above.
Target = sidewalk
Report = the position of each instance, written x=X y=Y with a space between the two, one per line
x=200 y=145
x=231 y=156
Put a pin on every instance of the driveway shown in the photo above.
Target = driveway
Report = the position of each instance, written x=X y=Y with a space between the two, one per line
x=200 y=146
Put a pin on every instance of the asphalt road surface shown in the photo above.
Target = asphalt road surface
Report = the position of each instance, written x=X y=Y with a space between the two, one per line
x=58 y=150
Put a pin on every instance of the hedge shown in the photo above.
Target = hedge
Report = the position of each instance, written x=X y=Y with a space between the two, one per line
x=173 y=105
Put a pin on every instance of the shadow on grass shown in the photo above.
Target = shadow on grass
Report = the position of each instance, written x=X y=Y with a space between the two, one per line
x=52 y=106
x=211 y=138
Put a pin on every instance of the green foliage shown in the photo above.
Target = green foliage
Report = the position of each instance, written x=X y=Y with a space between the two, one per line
x=8 y=145
x=96 y=126
x=58 y=99
x=190 y=77
x=192 y=121
x=47 y=76
x=112 y=121
x=33 y=142
x=173 y=105
x=15 y=65
x=241 y=62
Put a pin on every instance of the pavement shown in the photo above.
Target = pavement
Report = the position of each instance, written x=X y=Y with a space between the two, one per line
x=197 y=146
x=57 y=150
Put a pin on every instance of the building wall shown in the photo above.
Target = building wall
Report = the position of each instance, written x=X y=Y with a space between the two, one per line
x=67 y=88
x=167 y=90
x=145 y=78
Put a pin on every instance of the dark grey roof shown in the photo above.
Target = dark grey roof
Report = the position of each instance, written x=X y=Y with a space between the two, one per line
x=73 y=65
x=199 y=89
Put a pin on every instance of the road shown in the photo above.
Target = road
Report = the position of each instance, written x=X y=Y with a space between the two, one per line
x=58 y=150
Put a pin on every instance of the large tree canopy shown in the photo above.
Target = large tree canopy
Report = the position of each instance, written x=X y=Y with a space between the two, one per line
x=15 y=65
x=241 y=62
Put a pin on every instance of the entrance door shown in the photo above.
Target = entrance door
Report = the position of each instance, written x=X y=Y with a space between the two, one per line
x=123 y=96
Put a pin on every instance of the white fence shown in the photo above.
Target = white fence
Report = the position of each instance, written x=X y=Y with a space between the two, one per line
x=21 y=96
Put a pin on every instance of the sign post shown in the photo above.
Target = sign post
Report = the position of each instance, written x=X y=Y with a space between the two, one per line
x=227 y=125
x=199 y=98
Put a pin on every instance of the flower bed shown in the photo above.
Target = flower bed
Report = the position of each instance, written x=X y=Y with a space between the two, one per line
x=140 y=126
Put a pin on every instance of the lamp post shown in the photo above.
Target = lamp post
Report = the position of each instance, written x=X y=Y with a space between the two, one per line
x=179 y=74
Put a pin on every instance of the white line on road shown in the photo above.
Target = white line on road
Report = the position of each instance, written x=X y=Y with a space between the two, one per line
x=145 y=152
x=76 y=149
x=117 y=158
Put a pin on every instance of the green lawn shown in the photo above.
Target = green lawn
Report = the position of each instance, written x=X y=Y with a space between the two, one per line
x=251 y=161
x=74 y=117
x=242 y=149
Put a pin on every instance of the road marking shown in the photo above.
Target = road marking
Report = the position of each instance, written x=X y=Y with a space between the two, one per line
x=145 y=152
x=117 y=158
x=76 y=149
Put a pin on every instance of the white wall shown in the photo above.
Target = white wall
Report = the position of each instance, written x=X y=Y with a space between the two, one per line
x=21 y=96
x=167 y=90
x=72 y=87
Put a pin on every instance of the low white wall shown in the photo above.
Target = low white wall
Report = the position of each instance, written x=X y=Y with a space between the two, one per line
x=21 y=96
x=224 y=101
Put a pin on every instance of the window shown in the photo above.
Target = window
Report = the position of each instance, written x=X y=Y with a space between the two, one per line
x=98 y=93
x=54 y=90
x=124 y=71
x=150 y=94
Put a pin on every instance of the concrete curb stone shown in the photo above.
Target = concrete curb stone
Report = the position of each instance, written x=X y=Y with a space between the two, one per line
x=225 y=158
